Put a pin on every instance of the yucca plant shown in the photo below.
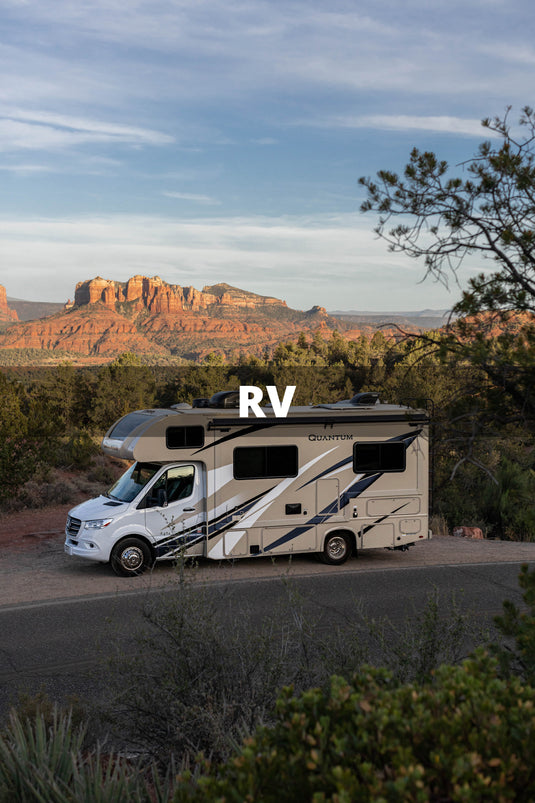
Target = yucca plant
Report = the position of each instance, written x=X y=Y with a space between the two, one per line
x=46 y=763
x=33 y=755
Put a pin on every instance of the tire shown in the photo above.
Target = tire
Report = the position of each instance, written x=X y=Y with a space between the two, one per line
x=130 y=557
x=337 y=549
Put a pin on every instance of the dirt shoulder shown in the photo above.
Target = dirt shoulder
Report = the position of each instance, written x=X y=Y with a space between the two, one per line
x=26 y=528
x=34 y=567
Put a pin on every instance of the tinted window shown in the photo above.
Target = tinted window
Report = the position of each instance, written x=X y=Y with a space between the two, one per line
x=382 y=456
x=184 y=437
x=177 y=482
x=255 y=462
x=128 y=424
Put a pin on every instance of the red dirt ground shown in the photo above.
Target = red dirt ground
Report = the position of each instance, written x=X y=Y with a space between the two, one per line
x=26 y=528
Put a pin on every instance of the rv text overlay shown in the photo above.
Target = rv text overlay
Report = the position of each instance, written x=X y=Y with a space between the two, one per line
x=251 y=396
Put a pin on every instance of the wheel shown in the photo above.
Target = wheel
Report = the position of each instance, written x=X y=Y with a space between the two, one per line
x=337 y=549
x=130 y=557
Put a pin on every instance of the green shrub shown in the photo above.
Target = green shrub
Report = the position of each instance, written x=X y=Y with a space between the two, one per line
x=80 y=449
x=44 y=762
x=510 y=504
x=39 y=705
x=467 y=735
x=20 y=461
x=516 y=653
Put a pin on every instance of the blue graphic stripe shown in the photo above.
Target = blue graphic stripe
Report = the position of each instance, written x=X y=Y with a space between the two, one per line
x=358 y=487
x=178 y=542
x=216 y=526
x=351 y=493
x=346 y=461
x=225 y=520
x=291 y=535
x=245 y=431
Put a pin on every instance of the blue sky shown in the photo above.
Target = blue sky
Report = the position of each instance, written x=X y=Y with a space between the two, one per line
x=222 y=140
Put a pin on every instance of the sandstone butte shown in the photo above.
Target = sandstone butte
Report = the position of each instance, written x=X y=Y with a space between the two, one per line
x=6 y=314
x=151 y=317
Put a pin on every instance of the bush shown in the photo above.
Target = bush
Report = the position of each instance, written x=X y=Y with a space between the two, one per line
x=42 y=494
x=197 y=683
x=105 y=470
x=414 y=648
x=42 y=761
x=203 y=675
x=516 y=653
x=510 y=504
x=20 y=461
x=467 y=735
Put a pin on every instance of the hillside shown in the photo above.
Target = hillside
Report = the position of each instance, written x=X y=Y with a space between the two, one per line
x=151 y=317
x=30 y=310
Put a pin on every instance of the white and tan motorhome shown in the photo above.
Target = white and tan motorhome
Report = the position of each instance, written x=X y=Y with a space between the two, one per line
x=331 y=479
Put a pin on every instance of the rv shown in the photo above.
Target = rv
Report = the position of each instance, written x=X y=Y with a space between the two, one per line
x=331 y=479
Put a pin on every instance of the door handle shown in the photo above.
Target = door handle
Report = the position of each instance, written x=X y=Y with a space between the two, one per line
x=188 y=509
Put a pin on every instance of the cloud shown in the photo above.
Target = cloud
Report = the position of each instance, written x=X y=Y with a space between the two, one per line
x=188 y=196
x=523 y=54
x=334 y=261
x=442 y=124
x=216 y=49
x=38 y=130
x=30 y=169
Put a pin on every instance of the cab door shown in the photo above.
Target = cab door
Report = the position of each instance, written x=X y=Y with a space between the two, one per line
x=175 y=511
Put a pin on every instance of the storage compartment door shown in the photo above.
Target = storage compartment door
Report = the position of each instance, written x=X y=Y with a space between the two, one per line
x=285 y=540
x=375 y=536
x=236 y=543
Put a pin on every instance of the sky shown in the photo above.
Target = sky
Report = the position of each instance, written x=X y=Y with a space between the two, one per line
x=208 y=141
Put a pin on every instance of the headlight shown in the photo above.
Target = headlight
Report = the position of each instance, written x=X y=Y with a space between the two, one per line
x=96 y=524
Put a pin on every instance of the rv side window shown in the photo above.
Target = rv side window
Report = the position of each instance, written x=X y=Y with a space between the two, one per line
x=184 y=437
x=128 y=424
x=256 y=462
x=382 y=456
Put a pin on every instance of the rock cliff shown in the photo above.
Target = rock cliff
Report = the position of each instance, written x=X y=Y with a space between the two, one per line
x=157 y=296
x=150 y=316
x=6 y=314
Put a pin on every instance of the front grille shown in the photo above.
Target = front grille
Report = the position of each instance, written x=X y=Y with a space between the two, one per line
x=73 y=525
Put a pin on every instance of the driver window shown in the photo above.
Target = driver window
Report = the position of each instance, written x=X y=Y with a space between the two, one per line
x=177 y=482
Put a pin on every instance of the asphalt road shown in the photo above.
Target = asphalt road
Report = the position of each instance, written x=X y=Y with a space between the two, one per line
x=60 y=645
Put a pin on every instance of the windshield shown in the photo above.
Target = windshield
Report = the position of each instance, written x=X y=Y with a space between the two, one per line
x=132 y=481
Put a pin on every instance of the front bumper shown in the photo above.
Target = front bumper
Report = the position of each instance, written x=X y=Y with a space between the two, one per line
x=85 y=548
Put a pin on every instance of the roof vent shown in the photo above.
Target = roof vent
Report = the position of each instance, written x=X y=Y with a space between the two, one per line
x=181 y=406
x=200 y=403
x=365 y=399
x=225 y=398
